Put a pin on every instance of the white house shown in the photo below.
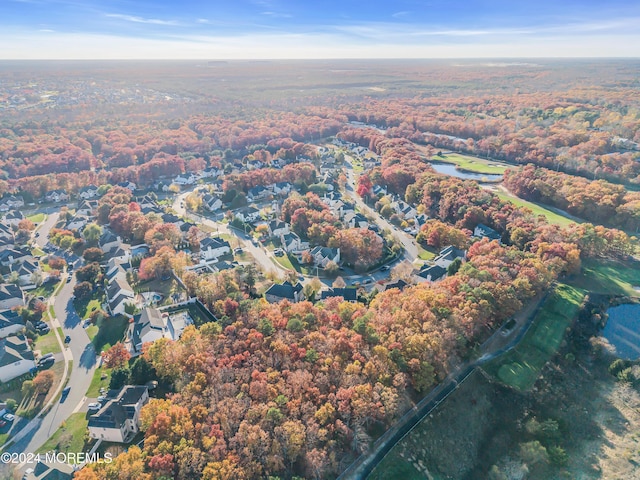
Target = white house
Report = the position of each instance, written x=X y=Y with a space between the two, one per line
x=355 y=220
x=277 y=228
x=447 y=255
x=153 y=324
x=90 y=191
x=16 y=357
x=119 y=293
x=26 y=271
x=211 y=172
x=211 y=202
x=292 y=243
x=119 y=418
x=247 y=214
x=282 y=188
x=56 y=196
x=482 y=231
x=186 y=179
x=130 y=185
x=109 y=240
x=11 y=201
x=213 y=247
x=324 y=255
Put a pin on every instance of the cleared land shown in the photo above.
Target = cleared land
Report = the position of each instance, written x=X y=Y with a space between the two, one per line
x=520 y=367
x=552 y=217
x=69 y=438
x=610 y=278
x=473 y=164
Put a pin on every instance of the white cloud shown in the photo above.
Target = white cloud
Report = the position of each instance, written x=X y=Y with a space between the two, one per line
x=135 y=19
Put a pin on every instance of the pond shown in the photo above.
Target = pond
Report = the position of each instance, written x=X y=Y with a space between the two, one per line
x=450 y=169
x=623 y=330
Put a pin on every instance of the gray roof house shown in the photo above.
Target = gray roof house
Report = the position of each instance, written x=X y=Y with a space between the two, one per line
x=284 y=291
x=119 y=419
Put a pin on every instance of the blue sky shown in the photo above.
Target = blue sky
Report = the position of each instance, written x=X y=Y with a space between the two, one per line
x=263 y=29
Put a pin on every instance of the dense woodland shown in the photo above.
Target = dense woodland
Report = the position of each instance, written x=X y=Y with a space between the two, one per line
x=285 y=390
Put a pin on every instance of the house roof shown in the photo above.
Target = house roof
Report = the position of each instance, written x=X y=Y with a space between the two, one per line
x=149 y=319
x=325 y=252
x=487 y=232
x=284 y=290
x=451 y=253
x=399 y=284
x=9 y=291
x=435 y=271
x=14 y=349
x=213 y=242
x=349 y=294
x=115 y=412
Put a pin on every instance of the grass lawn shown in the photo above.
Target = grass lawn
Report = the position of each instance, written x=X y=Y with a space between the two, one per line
x=69 y=437
x=110 y=331
x=520 y=367
x=98 y=382
x=473 y=164
x=164 y=287
x=37 y=218
x=86 y=307
x=92 y=331
x=37 y=252
x=552 y=217
x=45 y=290
x=609 y=277
x=425 y=254
x=47 y=343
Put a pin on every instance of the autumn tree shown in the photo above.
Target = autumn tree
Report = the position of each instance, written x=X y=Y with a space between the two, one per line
x=117 y=356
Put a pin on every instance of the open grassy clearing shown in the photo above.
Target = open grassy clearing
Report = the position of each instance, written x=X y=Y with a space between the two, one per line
x=609 y=277
x=110 y=331
x=552 y=217
x=520 y=367
x=47 y=343
x=69 y=438
x=37 y=218
x=473 y=164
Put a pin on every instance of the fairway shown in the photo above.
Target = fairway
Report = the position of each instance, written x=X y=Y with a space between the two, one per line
x=520 y=367
x=552 y=217
x=473 y=164
x=609 y=277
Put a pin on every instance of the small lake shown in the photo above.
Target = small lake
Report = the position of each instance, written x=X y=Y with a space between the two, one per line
x=450 y=169
x=623 y=330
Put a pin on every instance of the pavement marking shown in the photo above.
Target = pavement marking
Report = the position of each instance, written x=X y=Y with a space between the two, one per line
x=79 y=406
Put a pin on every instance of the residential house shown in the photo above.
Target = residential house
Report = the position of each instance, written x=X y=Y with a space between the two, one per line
x=16 y=357
x=282 y=188
x=130 y=185
x=26 y=271
x=90 y=191
x=188 y=178
x=109 y=240
x=9 y=256
x=379 y=190
x=119 y=292
x=211 y=248
x=323 y=255
x=355 y=220
x=119 y=418
x=348 y=294
x=247 y=214
x=56 y=196
x=292 y=243
x=277 y=228
x=148 y=326
x=10 y=202
x=447 y=255
x=259 y=192
x=87 y=207
x=41 y=470
x=78 y=222
x=211 y=172
x=10 y=323
x=284 y=291
x=399 y=284
x=482 y=231
x=211 y=203
x=13 y=218
x=431 y=273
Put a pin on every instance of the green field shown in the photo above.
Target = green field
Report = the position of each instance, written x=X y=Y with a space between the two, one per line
x=473 y=164
x=37 y=218
x=110 y=331
x=47 y=343
x=552 y=217
x=520 y=367
x=609 y=277
x=98 y=382
x=69 y=437
x=86 y=307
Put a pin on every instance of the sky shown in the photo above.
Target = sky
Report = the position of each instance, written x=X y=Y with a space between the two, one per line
x=308 y=29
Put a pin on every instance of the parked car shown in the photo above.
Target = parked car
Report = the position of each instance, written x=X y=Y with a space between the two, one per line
x=94 y=406
x=9 y=417
x=102 y=399
x=69 y=279
x=67 y=339
x=46 y=357
x=384 y=268
x=43 y=330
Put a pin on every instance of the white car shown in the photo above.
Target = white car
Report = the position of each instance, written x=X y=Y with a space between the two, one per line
x=94 y=406
x=9 y=417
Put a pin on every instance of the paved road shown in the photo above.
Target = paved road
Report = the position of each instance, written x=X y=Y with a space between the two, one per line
x=407 y=241
x=493 y=347
x=43 y=230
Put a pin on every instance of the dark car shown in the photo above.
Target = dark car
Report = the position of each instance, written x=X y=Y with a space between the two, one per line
x=65 y=393
x=67 y=339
